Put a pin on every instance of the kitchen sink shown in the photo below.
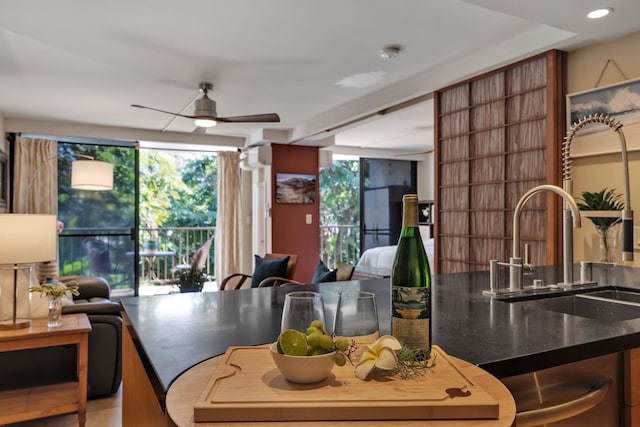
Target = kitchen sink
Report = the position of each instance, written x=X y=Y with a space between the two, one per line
x=609 y=305
x=619 y=295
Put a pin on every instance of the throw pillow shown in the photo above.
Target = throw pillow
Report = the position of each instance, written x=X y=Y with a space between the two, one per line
x=323 y=274
x=268 y=267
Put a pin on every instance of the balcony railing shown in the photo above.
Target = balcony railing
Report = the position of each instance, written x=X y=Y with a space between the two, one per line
x=175 y=246
x=109 y=252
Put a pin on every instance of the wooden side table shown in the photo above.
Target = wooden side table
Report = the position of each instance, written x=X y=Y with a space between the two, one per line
x=186 y=389
x=43 y=401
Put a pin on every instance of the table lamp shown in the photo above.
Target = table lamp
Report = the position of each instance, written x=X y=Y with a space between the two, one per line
x=26 y=239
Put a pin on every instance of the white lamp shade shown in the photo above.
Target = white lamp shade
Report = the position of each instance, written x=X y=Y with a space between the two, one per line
x=27 y=238
x=91 y=175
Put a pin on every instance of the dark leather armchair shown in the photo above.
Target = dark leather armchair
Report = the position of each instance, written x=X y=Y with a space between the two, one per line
x=26 y=368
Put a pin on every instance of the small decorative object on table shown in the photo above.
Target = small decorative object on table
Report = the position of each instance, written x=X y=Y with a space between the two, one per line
x=150 y=245
x=191 y=280
x=605 y=200
x=54 y=292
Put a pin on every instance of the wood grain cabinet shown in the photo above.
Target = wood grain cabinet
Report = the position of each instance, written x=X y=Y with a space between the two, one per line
x=50 y=399
x=632 y=388
x=497 y=136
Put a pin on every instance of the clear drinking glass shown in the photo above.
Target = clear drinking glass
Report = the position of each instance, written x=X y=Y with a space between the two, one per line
x=55 y=312
x=300 y=309
x=357 y=318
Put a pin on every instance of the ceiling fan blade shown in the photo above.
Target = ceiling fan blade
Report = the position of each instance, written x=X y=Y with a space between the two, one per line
x=161 y=111
x=255 y=118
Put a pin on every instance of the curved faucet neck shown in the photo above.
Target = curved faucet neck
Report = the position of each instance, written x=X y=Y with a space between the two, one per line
x=526 y=197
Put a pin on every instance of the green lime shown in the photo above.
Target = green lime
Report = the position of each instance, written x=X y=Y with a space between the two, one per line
x=293 y=343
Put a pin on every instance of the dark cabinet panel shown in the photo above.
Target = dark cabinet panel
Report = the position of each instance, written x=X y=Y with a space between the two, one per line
x=383 y=184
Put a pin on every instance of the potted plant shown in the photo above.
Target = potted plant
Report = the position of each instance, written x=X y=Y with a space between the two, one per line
x=54 y=291
x=191 y=280
x=605 y=200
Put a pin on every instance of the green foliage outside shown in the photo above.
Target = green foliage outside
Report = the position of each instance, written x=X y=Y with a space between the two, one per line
x=177 y=190
x=340 y=205
x=180 y=190
x=97 y=209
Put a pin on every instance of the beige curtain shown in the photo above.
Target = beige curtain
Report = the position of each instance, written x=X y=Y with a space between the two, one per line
x=227 y=239
x=36 y=176
x=35 y=187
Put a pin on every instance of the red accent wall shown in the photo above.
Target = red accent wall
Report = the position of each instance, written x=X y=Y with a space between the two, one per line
x=290 y=232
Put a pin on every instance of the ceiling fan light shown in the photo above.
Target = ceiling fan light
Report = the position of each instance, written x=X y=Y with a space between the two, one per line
x=204 y=122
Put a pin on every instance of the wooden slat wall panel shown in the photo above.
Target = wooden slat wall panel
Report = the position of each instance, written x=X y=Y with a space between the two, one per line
x=456 y=148
x=491 y=148
x=487 y=143
x=455 y=99
x=458 y=174
x=487 y=197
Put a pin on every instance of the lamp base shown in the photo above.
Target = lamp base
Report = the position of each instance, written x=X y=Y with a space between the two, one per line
x=15 y=324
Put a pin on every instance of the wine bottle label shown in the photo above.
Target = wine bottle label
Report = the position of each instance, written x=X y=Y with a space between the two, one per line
x=411 y=315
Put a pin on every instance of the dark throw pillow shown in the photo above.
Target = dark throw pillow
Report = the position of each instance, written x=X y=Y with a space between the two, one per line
x=268 y=267
x=323 y=274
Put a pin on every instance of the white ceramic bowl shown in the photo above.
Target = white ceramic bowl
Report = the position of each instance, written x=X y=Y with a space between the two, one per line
x=303 y=369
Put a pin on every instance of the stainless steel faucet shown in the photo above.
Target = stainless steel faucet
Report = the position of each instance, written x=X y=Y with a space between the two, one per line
x=515 y=262
x=627 y=213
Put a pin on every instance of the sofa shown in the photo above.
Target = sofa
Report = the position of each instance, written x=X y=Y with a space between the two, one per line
x=27 y=368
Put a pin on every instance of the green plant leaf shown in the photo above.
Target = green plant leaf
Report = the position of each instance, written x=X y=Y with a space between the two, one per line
x=605 y=200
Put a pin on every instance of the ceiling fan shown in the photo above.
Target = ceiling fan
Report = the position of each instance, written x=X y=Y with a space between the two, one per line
x=205 y=114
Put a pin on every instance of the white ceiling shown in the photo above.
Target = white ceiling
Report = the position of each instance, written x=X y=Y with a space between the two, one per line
x=87 y=61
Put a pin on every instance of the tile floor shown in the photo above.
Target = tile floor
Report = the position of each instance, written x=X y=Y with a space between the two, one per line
x=103 y=412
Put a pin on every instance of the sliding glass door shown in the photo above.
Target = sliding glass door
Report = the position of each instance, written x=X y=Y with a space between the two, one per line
x=99 y=237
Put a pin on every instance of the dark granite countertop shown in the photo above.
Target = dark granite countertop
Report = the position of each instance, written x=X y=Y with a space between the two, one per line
x=177 y=331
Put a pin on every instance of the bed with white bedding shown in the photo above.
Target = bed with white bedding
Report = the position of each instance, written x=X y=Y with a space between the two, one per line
x=380 y=259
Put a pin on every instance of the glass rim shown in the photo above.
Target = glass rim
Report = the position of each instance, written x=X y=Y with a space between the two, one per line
x=359 y=294
x=303 y=294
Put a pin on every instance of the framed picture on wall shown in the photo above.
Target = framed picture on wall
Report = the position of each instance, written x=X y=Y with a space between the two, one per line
x=620 y=101
x=295 y=188
x=4 y=182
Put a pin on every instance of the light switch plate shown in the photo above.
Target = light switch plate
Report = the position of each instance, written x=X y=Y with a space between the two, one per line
x=308 y=219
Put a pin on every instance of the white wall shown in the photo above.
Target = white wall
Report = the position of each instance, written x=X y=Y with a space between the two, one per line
x=426 y=178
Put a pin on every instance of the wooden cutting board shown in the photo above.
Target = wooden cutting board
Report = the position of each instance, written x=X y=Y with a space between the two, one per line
x=249 y=387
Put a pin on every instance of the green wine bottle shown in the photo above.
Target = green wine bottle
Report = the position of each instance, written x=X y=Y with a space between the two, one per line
x=411 y=284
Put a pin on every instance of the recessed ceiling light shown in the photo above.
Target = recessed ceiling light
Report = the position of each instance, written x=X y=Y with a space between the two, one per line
x=390 y=52
x=599 y=13
x=362 y=80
